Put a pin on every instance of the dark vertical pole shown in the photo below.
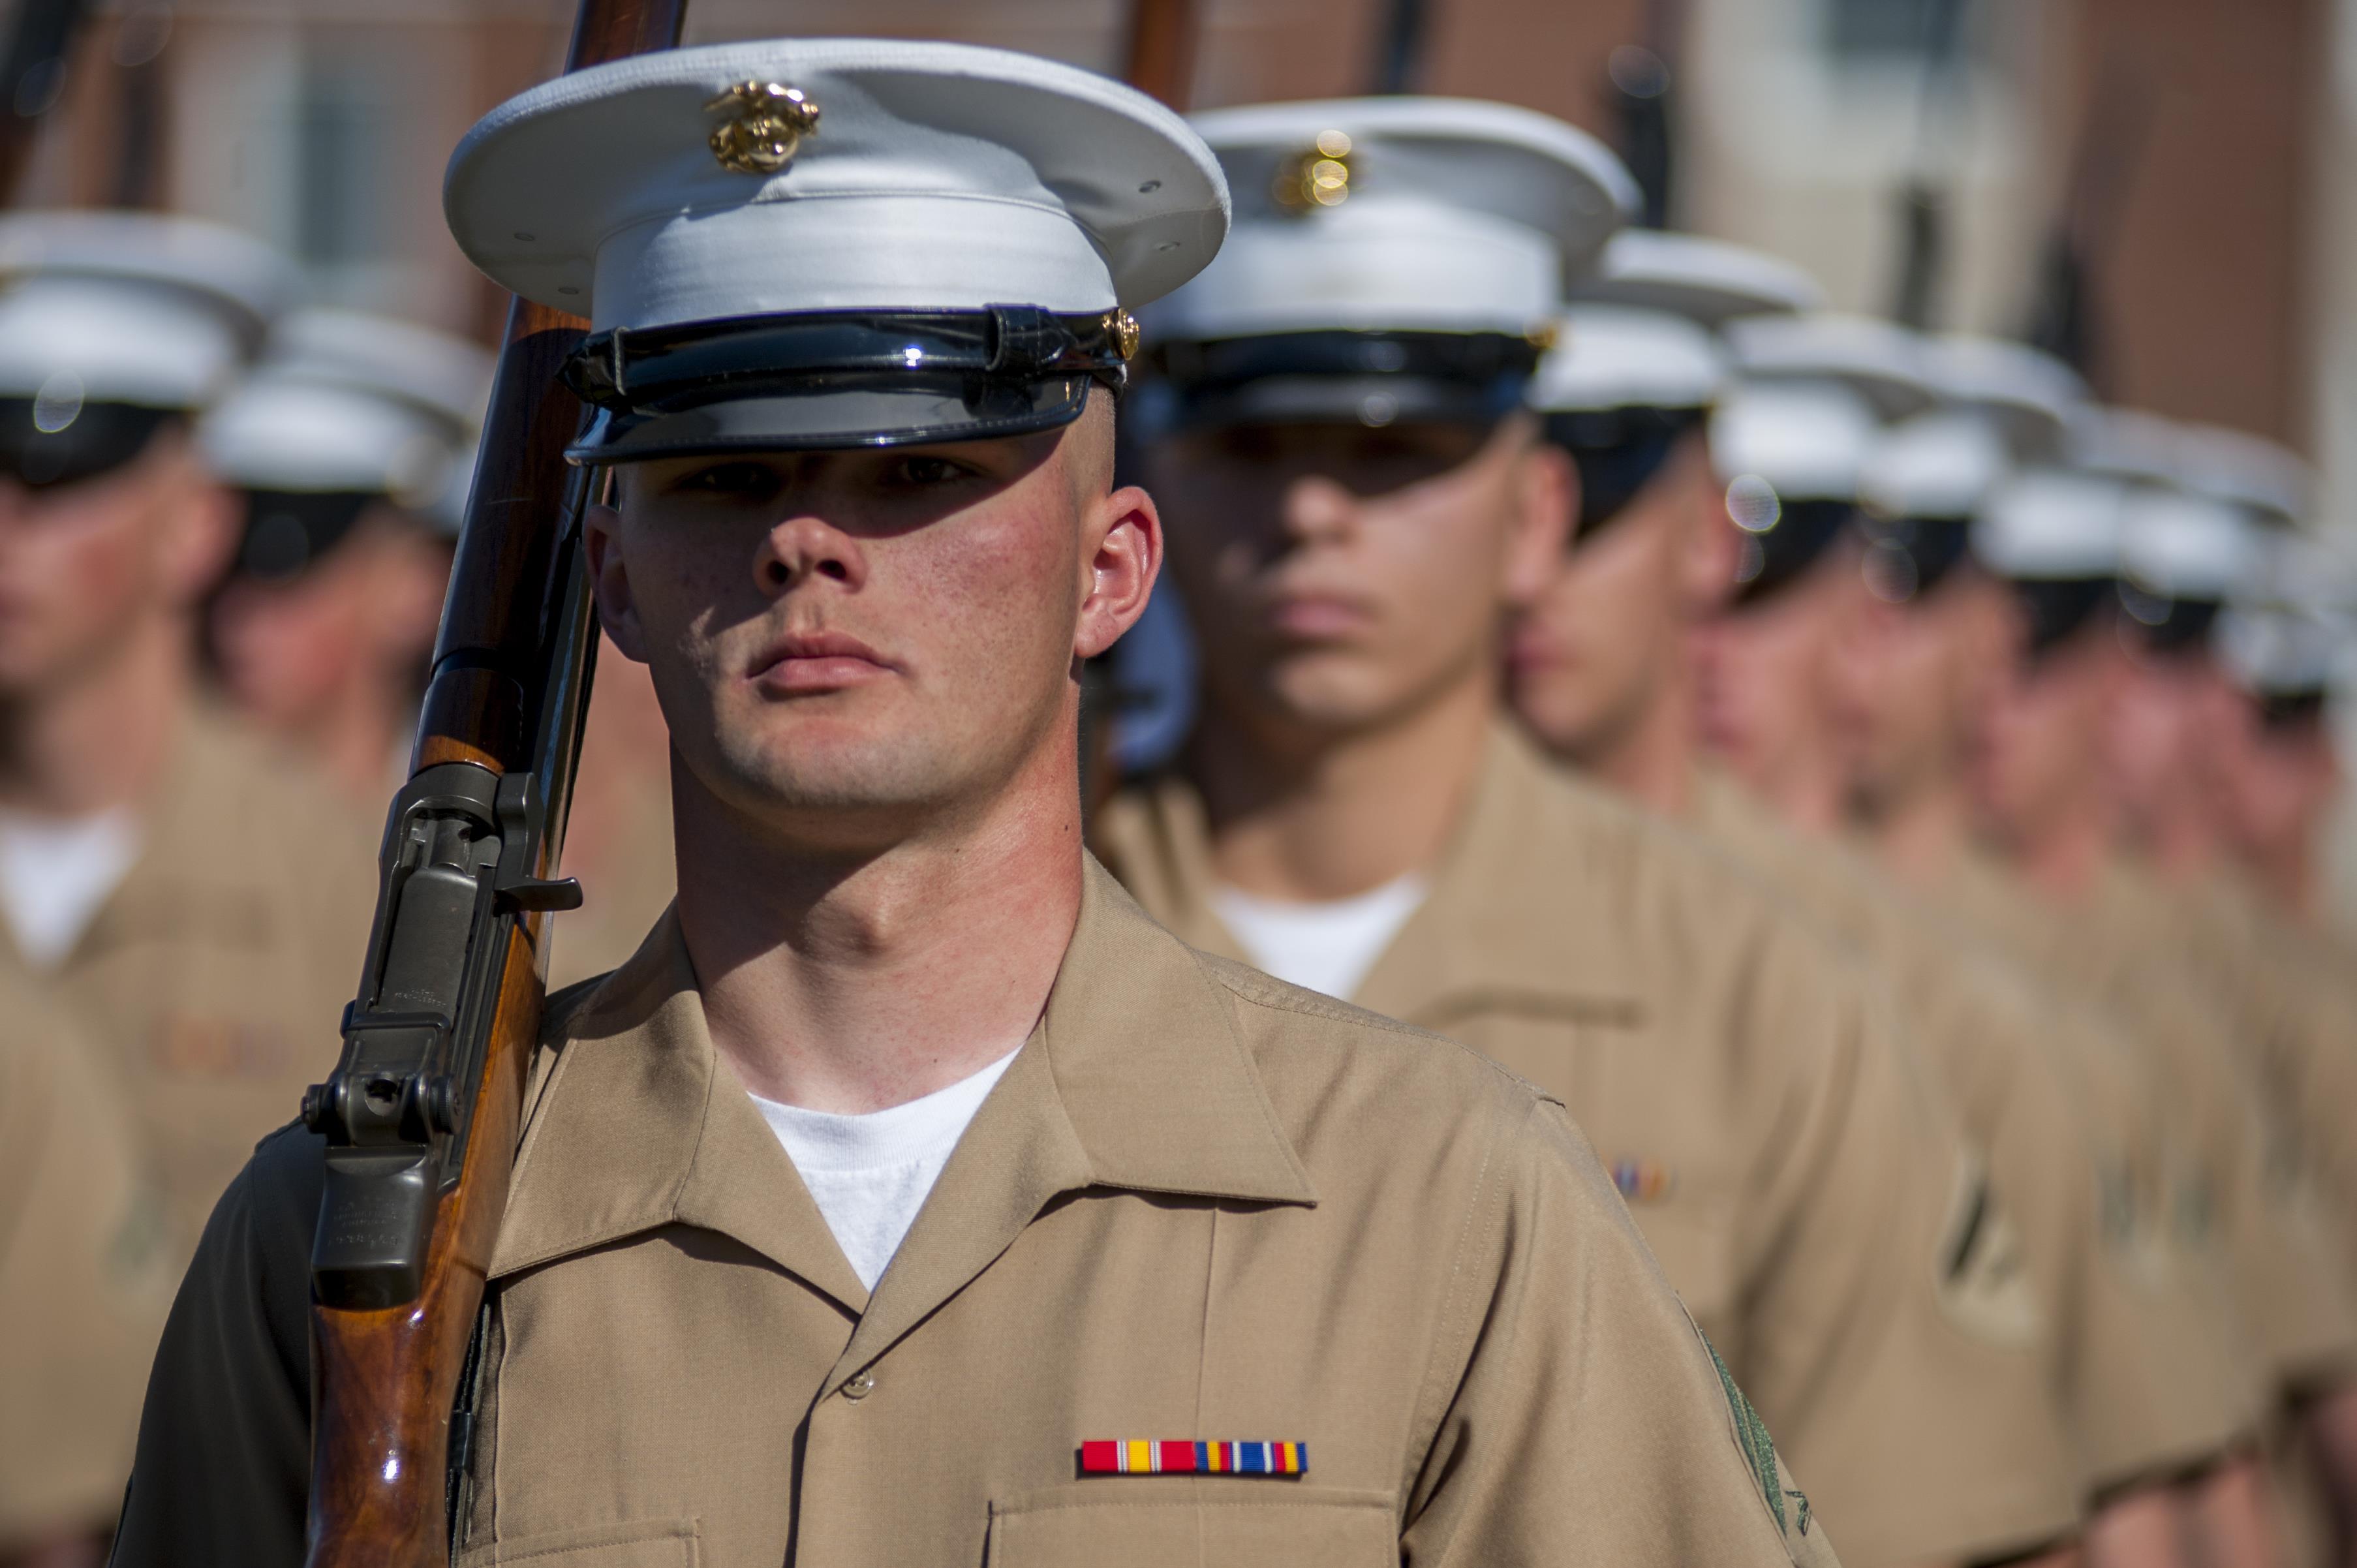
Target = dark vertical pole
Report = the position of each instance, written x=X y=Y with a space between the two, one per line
x=1159 y=56
x=1399 y=50
x=33 y=77
x=1641 y=85
x=1923 y=198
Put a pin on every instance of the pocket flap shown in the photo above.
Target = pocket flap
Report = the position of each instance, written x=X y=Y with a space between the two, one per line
x=1167 y=1522
x=639 y=1543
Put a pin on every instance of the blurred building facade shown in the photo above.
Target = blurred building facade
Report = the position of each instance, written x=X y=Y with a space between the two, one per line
x=2190 y=166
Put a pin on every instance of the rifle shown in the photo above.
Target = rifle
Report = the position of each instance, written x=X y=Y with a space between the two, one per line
x=2063 y=318
x=33 y=75
x=1642 y=80
x=421 y=1113
x=1922 y=199
x=1399 y=47
x=1159 y=54
x=1159 y=59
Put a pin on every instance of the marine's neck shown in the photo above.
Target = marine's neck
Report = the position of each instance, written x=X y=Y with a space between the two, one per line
x=101 y=737
x=1652 y=757
x=2286 y=872
x=2064 y=856
x=1920 y=834
x=853 y=981
x=1317 y=816
x=1802 y=785
x=2177 y=841
x=353 y=737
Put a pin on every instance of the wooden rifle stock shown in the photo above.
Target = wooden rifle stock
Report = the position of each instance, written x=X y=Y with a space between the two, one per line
x=423 y=1111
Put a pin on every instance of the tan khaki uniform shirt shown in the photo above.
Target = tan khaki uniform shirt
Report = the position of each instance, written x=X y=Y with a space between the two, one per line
x=1783 y=1157
x=2293 y=999
x=2236 y=1203
x=84 y=1277
x=217 y=973
x=2146 y=1372
x=1201 y=1204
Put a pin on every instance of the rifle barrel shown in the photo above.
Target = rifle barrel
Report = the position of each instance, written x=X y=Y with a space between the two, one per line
x=400 y=1261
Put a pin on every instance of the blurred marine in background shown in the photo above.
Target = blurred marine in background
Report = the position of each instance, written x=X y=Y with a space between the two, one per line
x=349 y=450
x=194 y=896
x=1356 y=497
x=1603 y=670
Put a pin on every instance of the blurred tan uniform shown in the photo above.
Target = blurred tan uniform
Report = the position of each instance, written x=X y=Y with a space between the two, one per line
x=1788 y=1163
x=622 y=851
x=1263 y=1216
x=618 y=834
x=2237 y=1202
x=2145 y=1369
x=2293 y=996
x=85 y=1277
x=217 y=972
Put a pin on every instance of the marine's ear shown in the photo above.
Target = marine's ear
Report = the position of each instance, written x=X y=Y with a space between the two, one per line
x=610 y=582
x=1709 y=546
x=1546 y=499
x=200 y=518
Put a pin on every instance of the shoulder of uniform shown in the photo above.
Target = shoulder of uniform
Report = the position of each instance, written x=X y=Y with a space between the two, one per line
x=276 y=1197
x=1275 y=1016
x=567 y=1007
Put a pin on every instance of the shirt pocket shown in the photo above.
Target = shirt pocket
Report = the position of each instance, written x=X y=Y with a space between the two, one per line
x=639 y=1543
x=1145 y=1523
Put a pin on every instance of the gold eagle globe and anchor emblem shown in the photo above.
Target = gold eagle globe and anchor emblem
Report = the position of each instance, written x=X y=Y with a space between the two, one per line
x=767 y=122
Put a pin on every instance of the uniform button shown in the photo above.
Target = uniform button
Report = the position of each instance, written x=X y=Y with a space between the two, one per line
x=861 y=1385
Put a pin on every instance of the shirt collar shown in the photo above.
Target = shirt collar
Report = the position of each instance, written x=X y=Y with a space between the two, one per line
x=1134 y=1078
x=1511 y=919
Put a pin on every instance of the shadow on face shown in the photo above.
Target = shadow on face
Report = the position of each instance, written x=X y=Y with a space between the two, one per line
x=1912 y=682
x=1589 y=655
x=1764 y=698
x=2041 y=748
x=842 y=638
x=1340 y=575
x=355 y=626
x=87 y=567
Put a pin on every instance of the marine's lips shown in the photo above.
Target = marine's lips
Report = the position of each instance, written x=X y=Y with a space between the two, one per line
x=1317 y=616
x=1530 y=652
x=804 y=661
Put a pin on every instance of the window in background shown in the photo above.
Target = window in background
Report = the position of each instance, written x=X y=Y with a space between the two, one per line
x=339 y=146
x=1871 y=34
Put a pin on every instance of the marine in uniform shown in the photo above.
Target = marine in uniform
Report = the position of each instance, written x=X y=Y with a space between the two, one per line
x=910 y=1197
x=350 y=448
x=85 y=1276
x=1355 y=497
x=195 y=897
x=2144 y=1377
x=2065 y=903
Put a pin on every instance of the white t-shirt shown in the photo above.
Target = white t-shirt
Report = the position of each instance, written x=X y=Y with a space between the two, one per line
x=55 y=873
x=1328 y=946
x=869 y=1175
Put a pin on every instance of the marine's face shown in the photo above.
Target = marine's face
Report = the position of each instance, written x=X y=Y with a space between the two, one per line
x=86 y=565
x=844 y=643
x=2278 y=784
x=1587 y=658
x=1912 y=680
x=2041 y=745
x=2157 y=736
x=290 y=650
x=1339 y=577
x=1763 y=672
